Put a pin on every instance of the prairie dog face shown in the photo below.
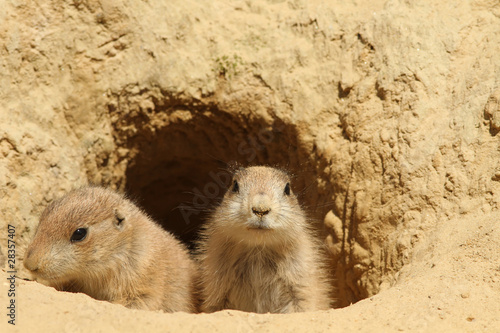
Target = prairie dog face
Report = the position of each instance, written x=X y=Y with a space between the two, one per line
x=78 y=235
x=259 y=206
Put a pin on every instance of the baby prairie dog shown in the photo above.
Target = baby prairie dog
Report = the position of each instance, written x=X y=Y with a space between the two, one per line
x=97 y=242
x=257 y=252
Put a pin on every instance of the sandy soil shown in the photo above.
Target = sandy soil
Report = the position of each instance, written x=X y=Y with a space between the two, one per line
x=452 y=285
x=386 y=111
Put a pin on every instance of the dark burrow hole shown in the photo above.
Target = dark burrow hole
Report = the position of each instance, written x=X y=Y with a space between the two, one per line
x=179 y=168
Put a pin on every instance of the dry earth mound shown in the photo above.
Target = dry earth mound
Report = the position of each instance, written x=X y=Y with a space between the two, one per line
x=387 y=112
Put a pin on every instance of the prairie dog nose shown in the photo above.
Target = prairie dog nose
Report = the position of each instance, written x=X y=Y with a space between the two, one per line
x=30 y=262
x=260 y=211
x=260 y=205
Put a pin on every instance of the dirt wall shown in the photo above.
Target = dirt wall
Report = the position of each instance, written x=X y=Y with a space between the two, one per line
x=387 y=112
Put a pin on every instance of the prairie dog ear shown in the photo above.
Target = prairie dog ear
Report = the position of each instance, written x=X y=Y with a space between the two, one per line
x=119 y=220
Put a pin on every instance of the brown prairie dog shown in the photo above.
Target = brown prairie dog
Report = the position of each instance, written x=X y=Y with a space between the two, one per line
x=97 y=242
x=257 y=253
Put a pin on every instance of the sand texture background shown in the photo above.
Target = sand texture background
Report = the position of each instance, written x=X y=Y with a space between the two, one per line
x=387 y=112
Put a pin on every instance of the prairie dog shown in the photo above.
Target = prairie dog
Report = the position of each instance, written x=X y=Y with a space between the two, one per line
x=95 y=241
x=257 y=253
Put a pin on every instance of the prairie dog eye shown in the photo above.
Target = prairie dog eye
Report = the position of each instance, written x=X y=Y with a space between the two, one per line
x=236 y=187
x=287 y=189
x=79 y=235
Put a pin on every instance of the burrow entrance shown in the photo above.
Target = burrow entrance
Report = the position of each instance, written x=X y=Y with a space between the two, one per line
x=180 y=157
x=178 y=154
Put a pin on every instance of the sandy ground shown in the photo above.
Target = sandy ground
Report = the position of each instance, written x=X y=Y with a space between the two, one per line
x=452 y=285
x=388 y=111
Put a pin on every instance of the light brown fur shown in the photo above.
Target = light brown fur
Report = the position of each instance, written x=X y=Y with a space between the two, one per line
x=257 y=252
x=125 y=257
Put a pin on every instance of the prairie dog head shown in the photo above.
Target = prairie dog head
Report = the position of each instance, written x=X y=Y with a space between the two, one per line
x=79 y=235
x=259 y=207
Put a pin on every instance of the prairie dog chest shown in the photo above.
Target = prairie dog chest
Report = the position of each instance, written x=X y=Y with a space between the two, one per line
x=258 y=282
